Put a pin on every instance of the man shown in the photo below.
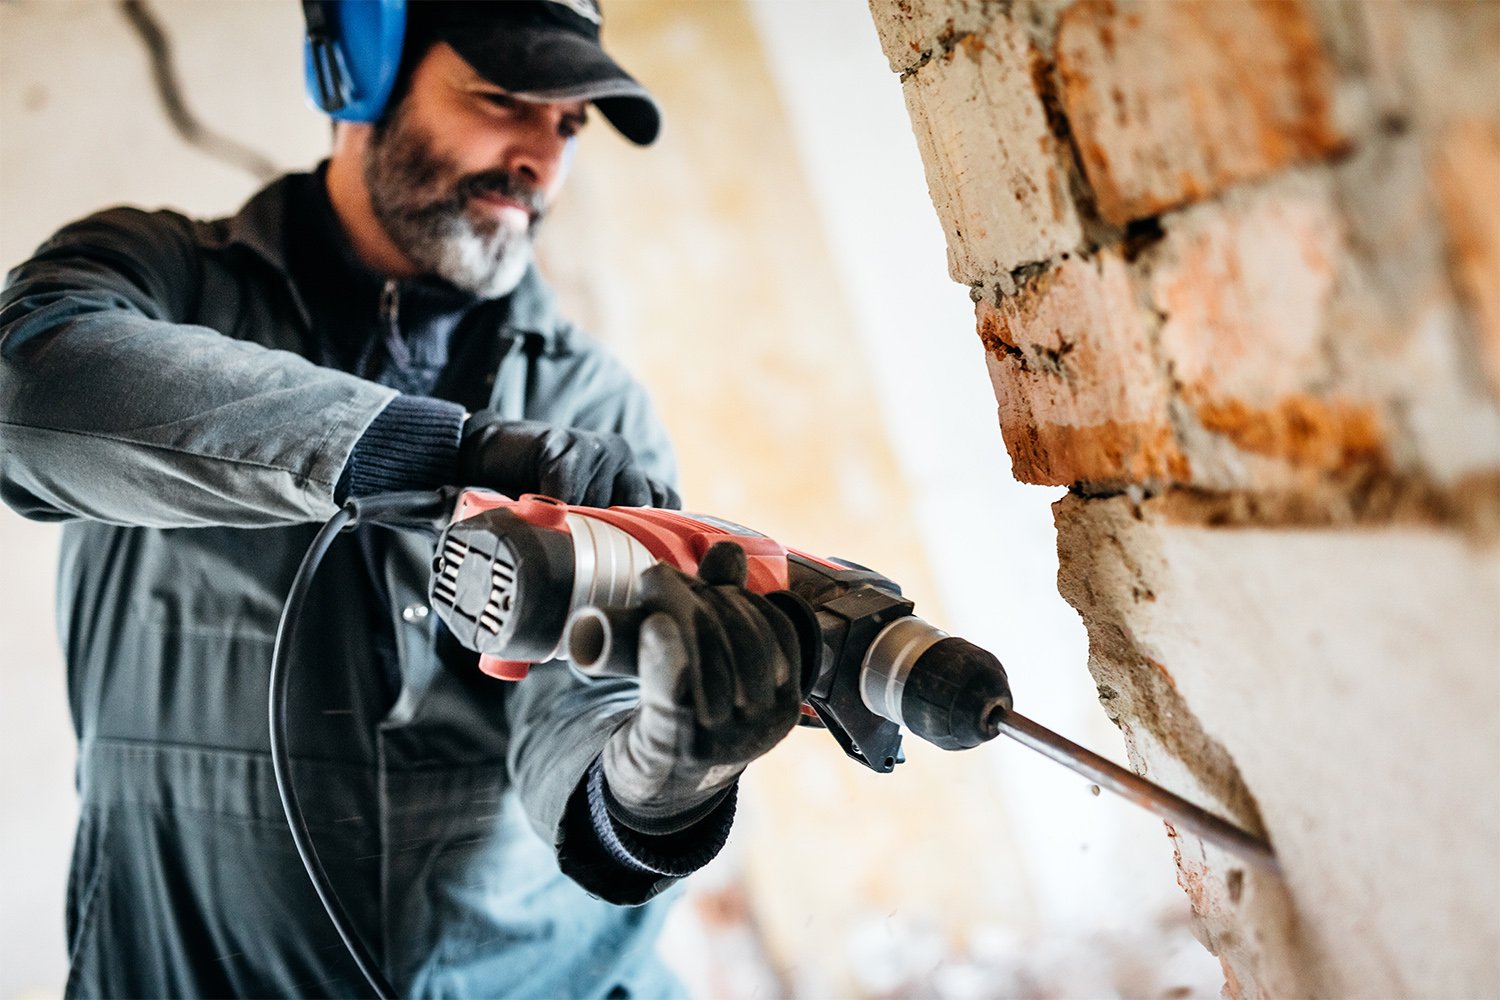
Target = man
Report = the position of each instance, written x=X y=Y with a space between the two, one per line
x=192 y=397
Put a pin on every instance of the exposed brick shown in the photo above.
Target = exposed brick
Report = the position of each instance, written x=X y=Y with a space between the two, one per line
x=1244 y=290
x=1326 y=435
x=1397 y=334
x=1362 y=43
x=1171 y=102
x=1467 y=171
x=1383 y=196
x=913 y=31
x=1445 y=57
x=1080 y=396
x=995 y=171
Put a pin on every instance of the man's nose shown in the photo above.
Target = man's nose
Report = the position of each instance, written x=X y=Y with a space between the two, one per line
x=538 y=147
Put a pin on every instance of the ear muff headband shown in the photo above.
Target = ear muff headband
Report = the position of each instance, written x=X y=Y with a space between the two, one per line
x=352 y=55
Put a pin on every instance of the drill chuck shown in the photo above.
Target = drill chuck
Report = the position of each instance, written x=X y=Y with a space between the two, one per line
x=939 y=687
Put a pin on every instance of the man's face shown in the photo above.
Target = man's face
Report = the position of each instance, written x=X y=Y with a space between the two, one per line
x=461 y=173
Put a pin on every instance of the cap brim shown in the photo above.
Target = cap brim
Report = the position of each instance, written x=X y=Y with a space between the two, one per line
x=553 y=65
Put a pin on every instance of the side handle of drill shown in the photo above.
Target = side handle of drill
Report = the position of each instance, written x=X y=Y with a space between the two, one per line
x=876 y=668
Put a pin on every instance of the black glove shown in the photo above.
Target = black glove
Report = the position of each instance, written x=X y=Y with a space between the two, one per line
x=721 y=683
x=584 y=468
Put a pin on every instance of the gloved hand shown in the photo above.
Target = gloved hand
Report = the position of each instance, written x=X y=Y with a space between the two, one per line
x=586 y=468
x=721 y=683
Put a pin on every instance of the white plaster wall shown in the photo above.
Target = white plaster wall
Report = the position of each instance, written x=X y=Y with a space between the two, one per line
x=1364 y=713
x=1351 y=676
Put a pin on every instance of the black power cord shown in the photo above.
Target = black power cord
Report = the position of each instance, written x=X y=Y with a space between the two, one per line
x=169 y=90
x=416 y=510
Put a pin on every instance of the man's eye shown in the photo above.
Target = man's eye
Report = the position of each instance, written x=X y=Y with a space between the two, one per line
x=502 y=101
x=570 y=127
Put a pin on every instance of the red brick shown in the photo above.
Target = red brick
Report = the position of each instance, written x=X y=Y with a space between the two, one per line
x=1323 y=435
x=995 y=171
x=1467 y=171
x=1396 y=329
x=913 y=30
x=1444 y=56
x=1081 y=398
x=1171 y=102
x=1245 y=289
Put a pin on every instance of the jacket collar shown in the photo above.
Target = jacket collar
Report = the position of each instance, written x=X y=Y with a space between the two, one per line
x=260 y=228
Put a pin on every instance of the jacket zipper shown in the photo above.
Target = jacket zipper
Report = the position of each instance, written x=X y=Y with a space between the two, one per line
x=396 y=349
x=390 y=307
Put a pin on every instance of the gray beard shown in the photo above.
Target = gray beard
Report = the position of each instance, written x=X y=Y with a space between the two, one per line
x=418 y=201
x=490 y=266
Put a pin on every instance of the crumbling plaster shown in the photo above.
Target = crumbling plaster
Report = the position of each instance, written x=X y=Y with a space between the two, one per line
x=1300 y=680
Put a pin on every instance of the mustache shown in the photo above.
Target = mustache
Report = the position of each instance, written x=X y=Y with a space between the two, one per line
x=505 y=184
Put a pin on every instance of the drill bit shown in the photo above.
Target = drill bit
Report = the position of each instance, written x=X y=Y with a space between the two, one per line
x=1137 y=789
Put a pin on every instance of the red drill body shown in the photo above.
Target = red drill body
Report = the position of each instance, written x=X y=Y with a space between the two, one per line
x=522 y=581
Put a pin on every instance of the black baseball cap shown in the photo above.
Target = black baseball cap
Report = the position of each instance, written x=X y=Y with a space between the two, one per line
x=540 y=50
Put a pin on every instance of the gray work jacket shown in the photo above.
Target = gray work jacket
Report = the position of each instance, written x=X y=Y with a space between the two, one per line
x=156 y=393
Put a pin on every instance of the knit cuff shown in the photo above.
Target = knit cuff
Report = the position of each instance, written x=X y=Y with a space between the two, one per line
x=674 y=854
x=411 y=445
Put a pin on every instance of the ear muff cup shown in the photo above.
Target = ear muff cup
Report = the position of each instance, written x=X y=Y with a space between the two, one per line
x=352 y=54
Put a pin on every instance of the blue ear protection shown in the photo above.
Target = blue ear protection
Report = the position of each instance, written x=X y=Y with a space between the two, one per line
x=352 y=55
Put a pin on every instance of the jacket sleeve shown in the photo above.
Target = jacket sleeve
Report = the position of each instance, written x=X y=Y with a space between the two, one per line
x=559 y=723
x=114 y=407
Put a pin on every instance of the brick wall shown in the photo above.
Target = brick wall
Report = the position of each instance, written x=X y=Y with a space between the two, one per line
x=1236 y=267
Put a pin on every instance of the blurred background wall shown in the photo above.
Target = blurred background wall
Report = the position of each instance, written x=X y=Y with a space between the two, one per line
x=774 y=270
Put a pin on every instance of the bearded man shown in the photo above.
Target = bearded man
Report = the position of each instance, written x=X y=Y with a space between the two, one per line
x=193 y=397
